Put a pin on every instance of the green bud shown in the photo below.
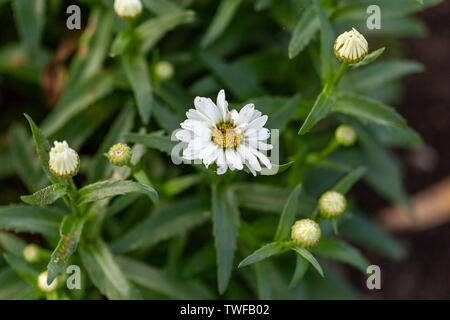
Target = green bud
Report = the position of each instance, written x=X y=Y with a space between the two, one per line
x=164 y=70
x=119 y=154
x=332 y=204
x=345 y=135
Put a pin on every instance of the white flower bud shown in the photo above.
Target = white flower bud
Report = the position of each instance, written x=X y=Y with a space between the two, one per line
x=332 y=204
x=128 y=9
x=64 y=162
x=351 y=46
x=305 y=233
x=164 y=70
x=31 y=253
x=42 y=283
x=345 y=135
x=119 y=154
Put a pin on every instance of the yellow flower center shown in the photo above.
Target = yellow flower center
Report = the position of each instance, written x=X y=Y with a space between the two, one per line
x=225 y=135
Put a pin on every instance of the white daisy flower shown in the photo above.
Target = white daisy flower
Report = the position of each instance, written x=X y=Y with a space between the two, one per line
x=64 y=162
x=231 y=139
x=351 y=46
x=128 y=9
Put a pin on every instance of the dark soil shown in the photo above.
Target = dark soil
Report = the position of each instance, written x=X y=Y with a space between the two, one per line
x=424 y=273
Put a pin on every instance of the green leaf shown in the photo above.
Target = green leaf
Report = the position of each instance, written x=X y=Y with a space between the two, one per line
x=345 y=184
x=276 y=168
x=101 y=167
x=304 y=31
x=161 y=7
x=225 y=223
x=42 y=149
x=221 y=20
x=70 y=232
x=45 y=196
x=154 y=279
x=14 y=288
x=262 y=4
x=21 y=218
x=263 y=280
x=121 y=43
x=165 y=118
x=341 y=251
x=287 y=218
x=136 y=69
x=301 y=266
x=368 y=109
x=371 y=57
x=242 y=84
x=165 y=223
x=107 y=189
x=381 y=73
x=262 y=253
x=280 y=119
x=30 y=18
x=6 y=165
x=180 y=184
x=22 y=157
x=323 y=104
x=105 y=273
x=152 y=30
x=152 y=141
x=83 y=94
x=326 y=43
x=12 y=244
x=309 y=257
x=92 y=49
x=22 y=268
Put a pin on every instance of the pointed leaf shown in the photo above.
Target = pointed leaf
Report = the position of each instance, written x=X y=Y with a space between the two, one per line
x=262 y=253
x=323 y=104
x=287 y=218
x=301 y=266
x=45 y=196
x=309 y=257
x=304 y=31
x=326 y=43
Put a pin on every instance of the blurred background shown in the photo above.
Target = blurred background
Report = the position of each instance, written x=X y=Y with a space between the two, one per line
x=423 y=273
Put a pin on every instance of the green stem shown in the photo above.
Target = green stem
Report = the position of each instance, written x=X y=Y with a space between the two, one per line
x=339 y=74
x=72 y=192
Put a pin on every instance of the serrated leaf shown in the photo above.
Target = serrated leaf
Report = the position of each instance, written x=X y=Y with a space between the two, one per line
x=107 y=189
x=309 y=257
x=70 y=232
x=341 y=251
x=105 y=273
x=323 y=104
x=221 y=20
x=165 y=223
x=262 y=253
x=137 y=72
x=368 y=109
x=45 y=196
x=287 y=218
x=157 y=280
x=42 y=149
x=225 y=224
x=21 y=218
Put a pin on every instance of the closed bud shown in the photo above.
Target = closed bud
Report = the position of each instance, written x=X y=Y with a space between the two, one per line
x=119 y=154
x=345 y=135
x=42 y=283
x=128 y=9
x=63 y=162
x=164 y=70
x=351 y=47
x=332 y=204
x=305 y=233
x=31 y=253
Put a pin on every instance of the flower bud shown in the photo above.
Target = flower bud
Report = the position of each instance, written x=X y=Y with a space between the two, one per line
x=119 y=154
x=351 y=47
x=345 y=135
x=128 y=9
x=305 y=233
x=42 y=283
x=332 y=204
x=31 y=253
x=64 y=162
x=164 y=70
